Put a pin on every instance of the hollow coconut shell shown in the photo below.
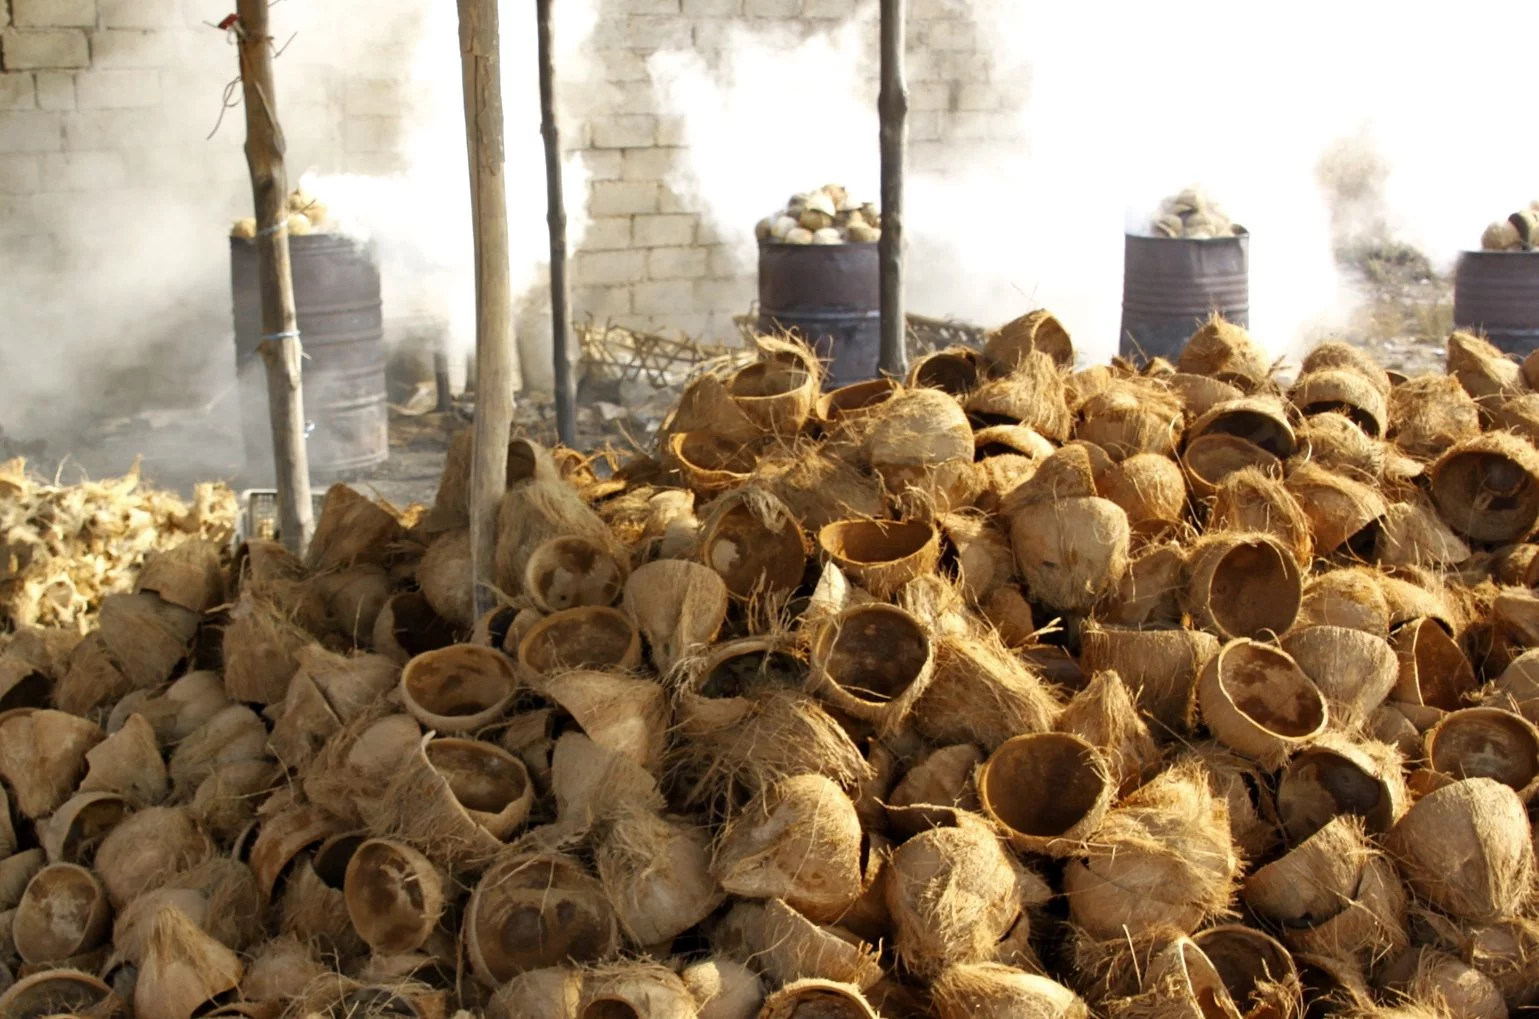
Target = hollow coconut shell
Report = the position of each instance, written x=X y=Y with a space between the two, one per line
x=1343 y=513
x=921 y=436
x=815 y=485
x=549 y=993
x=1467 y=849
x=1354 y=670
x=982 y=693
x=624 y=714
x=188 y=575
x=1151 y=490
x=1334 y=442
x=1336 y=354
x=349 y=530
x=1352 y=598
x=992 y=991
x=260 y=645
x=353 y=600
x=657 y=873
x=1337 y=776
x=1242 y=585
x=75 y=831
x=42 y=757
x=778 y=391
x=531 y=911
x=713 y=690
x=460 y=688
x=1132 y=416
x=1367 y=926
x=328 y=692
x=1429 y=414
x=1427 y=974
x=441 y=576
x=1434 y=670
x=128 y=763
x=595 y=637
x=408 y=626
x=1070 y=552
x=678 y=605
x=1485 y=372
x=1159 y=668
x=394 y=896
x=646 y=990
x=1064 y=762
x=1149 y=592
x=1256 y=700
x=1257 y=971
x=1006 y=347
x=723 y=989
x=16 y=871
x=1487 y=742
x=1487 y=488
x=754 y=542
x=1210 y=459
x=455 y=800
x=800 y=843
x=882 y=555
x=535 y=509
x=1262 y=421
x=823 y=999
x=954 y=371
x=786 y=946
x=146 y=636
x=280 y=968
x=183 y=969
x=874 y=662
x=1250 y=501
x=956 y=896
x=42 y=995
x=1032 y=393
x=1224 y=351
x=62 y=914
x=1346 y=391
x=90 y=680
x=1411 y=534
x=181 y=710
x=1103 y=714
x=233 y=736
x=570 y=571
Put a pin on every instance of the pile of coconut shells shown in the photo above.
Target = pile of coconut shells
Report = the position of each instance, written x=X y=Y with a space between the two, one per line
x=1006 y=690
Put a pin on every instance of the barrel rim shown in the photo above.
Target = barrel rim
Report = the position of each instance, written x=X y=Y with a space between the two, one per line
x=783 y=245
x=1130 y=235
x=1482 y=253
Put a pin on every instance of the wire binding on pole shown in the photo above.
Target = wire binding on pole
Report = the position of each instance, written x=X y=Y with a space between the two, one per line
x=286 y=334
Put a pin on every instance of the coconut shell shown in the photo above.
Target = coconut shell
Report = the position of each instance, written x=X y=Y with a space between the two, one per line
x=1337 y=776
x=1210 y=459
x=713 y=690
x=408 y=626
x=62 y=914
x=536 y=509
x=328 y=692
x=882 y=555
x=818 y=998
x=982 y=693
x=147 y=637
x=90 y=680
x=1242 y=585
x=44 y=994
x=1064 y=762
x=786 y=946
x=455 y=800
x=1070 y=552
x=723 y=989
x=1354 y=670
x=1006 y=440
x=1262 y=421
x=1032 y=393
x=657 y=873
x=777 y=392
x=1104 y=715
x=1151 y=490
x=817 y=487
x=984 y=559
x=1335 y=443
x=678 y=605
x=1410 y=534
x=187 y=575
x=1130 y=417
x=128 y=762
x=992 y=991
x=1224 y=351
x=921 y=445
x=394 y=895
x=1467 y=848
x=183 y=969
x=1159 y=667
x=570 y=572
x=1149 y=592
x=226 y=801
x=1486 y=742
x=1257 y=971
x=754 y=542
x=1256 y=700
x=853 y=402
x=1430 y=975
x=1199 y=393
x=531 y=911
x=350 y=530
x=1336 y=354
x=955 y=371
x=1248 y=501
x=460 y=688
x=549 y=993
x=874 y=662
x=643 y=989
x=76 y=829
x=1429 y=414
x=16 y=871
x=180 y=711
x=1008 y=346
x=619 y=712
x=441 y=574
x=583 y=638
x=280 y=969
x=1485 y=372
x=1434 y=671
x=1487 y=488
x=42 y=757
x=234 y=735
x=1346 y=391
x=260 y=645
x=1343 y=514
x=1352 y=598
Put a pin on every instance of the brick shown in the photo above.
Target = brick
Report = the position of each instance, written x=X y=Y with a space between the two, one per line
x=622 y=198
x=607 y=233
x=646 y=6
x=44 y=50
x=624 y=132
x=664 y=232
x=53 y=13
x=641 y=32
x=141 y=13
x=55 y=90
x=623 y=65
x=602 y=301
x=772 y=8
x=84 y=171
x=713 y=8
x=649 y=164
x=725 y=262
x=16 y=91
x=730 y=295
x=598 y=268
x=604 y=164
x=930 y=95
x=671 y=131
x=663 y=298
x=633 y=99
x=30 y=131
x=716 y=35
x=673 y=203
x=110 y=129
x=20 y=174
x=368 y=134
x=117 y=90
x=133 y=47
x=829 y=8
x=372 y=97
x=676 y=263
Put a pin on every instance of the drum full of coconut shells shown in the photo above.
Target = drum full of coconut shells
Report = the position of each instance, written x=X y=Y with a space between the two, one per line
x=1003 y=691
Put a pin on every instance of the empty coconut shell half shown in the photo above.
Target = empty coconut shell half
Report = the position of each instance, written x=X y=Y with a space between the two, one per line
x=456 y=800
x=1012 y=782
x=593 y=637
x=60 y=992
x=532 y=911
x=1486 y=743
x=873 y=661
x=1256 y=700
x=1243 y=585
x=1467 y=848
x=62 y=914
x=1487 y=488
x=957 y=371
x=394 y=896
x=1434 y=670
x=882 y=555
x=460 y=688
x=1335 y=777
x=678 y=605
x=570 y=571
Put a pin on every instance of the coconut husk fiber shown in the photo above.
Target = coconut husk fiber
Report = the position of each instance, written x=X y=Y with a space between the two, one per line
x=785 y=946
x=596 y=637
x=1352 y=597
x=188 y=576
x=43 y=756
x=1487 y=488
x=260 y=645
x=992 y=991
x=441 y=575
x=1332 y=441
x=1343 y=514
x=1242 y=585
x=536 y=509
x=1105 y=716
x=530 y=911
x=982 y=555
x=1159 y=668
x=146 y=637
x=1355 y=671
x=982 y=693
x=351 y=529
x=1467 y=849
x=1132 y=416
x=1070 y=546
x=1006 y=347
x=1032 y=393
x=955 y=371
x=1150 y=489
x=1411 y=534
x=753 y=541
x=1224 y=351
x=819 y=488
x=656 y=871
x=1430 y=413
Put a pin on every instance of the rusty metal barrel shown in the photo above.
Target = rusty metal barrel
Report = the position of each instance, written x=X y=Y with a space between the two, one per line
x=829 y=295
x=1497 y=293
x=1170 y=285
x=337 y=301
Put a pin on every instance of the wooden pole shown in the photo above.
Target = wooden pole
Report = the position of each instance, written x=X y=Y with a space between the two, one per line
x=560 y=325
x=480 y=63
x=892 y=105
x=280 y=346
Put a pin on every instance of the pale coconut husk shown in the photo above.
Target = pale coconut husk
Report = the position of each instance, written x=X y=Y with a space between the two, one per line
x=1151 y=490
x=706 y=406
x=1368 y=926
x=1334 y=442
x=1467 y=849
x=1410 y=534
x=1166 y=977
x=534 y=510
x=1130 y=417
x=1032 y=393
x=1006 y=347
x=1242 y=585
x=147 y=637
x=956 y=896
x=128 y=763
x=1199 y=393
x=1072 y=767
x=280 y=969
x=942 y=778
x=570 y=571
x=984 y=559
x=817 y=998
x=1487 y=488
x=1256 y=700
x=260 y=644
x=1210 y=459
x=408 y=626
x=1149 y=592
x=785 y=946
x=1426 y=974
x=593 y=637
x=63 y=913
x=853 y=402
x=1224 y=351
x=955 y=371
x=1162 y=857
x=1070 y=552
x=622 y=713
x=219 y=895
x=592 y=784
x=723 y=989
x=226 y=801
x=441 y=576
x=1257 y=971
x=394 y=895
x=982 y=693
x=1333 y=983
x=874 y=662
x=992 y=991
x=882 y=555
x=1006 y=440
x=1487 y=742
x=77 y=828
x=181 y=710
x=1485 y=372
x=456 y=800
x=754 y=542
x=548 y=993
x=1517 y=688
x=460 y=688
x=1250 y=501
x=1104 y=715
x=800 y=842
x=1353 y=598
x=286 y=829
x=1506 y=951
x=1434 y=670
x=1336 y=354
x=16 y=871
x=351 y=529
x=1430 y=413
x=42 y=757
x=1009 y=615
x=187 y=575
x=1309 y=884
x=531 y=911
x=1519 y=414
x=1343 y=514
x=921 y=445
x=1354 y=670
x=1338 y=776
x=183 y=969
x=328 y=692
x=1159 y=667
x=44 y=994
x=657 y=873
x=1092 y=380
x=645 y=989
x=232 y=736
x=1344 y=391
x=678 y=605
x=24 y=685
x=818 y=487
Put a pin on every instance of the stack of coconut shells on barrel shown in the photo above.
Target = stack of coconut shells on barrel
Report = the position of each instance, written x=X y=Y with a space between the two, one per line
x=1008 y=690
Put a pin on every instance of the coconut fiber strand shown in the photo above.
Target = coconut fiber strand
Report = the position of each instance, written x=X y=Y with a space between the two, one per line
x=1008 y=691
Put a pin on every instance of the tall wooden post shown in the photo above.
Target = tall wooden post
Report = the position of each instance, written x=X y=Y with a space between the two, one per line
x=480 y=63
x=280 y=347
x=560 y=326
x=892 y=105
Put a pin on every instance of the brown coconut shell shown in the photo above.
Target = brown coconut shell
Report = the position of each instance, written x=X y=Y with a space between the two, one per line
x=1149 y=592
x=45 y=994
x=955 y=371
x=441 y=576
x=1368 y=925
x=1485 y=372
x=855 y=401
x=956 y=896
x=1212 y=458
x=817 y=998
x=1006 y=440
x=42 y=757
x=1130 y=417
x=992 y=991
x=146 y=636
x=1426 y=974
x=260 y=644
x=1262 y=421
x=1518 y=414
x=1310 y=883
x=583 y=638
x=328 y=692
x=753 y=541
x=1355 y=670
x=183 y=969
x=1159 y=668
x=1104 y=715
x=1032 y=393
x=1199 y=393
x=1467 y=849
x=354 y=599
x=1337 y=776
x=534 y=510
x=456 y=800
x=710 y=465
x=91 y=679
x=77 y=828
x=1434 y=670
x=1167 y=976
x=777 y=392
x=1242 y=585
x=817 y=486
x=1344 y=391
x=1257 y=971
x=882 y=555
x=16 y=871
x=1224 y=351
x=1162 y=857
x=1334 y=442
x=1071 y=551
x=460 y=688
x=187 y=575
x=624 y=714
x=800 y=843
x=1487 y=488
x=983 y=557
x=394 y=896
x=982 y=693
x=678 y=605
x=128 y=762
x=1486 y=742
x=713 y=690
x=1410 y=534
x=1430 y=413
x=1091 y=381
x=1075 y=769
x=1353 y=598
x=178 y=712
x=1006 y=347
x=62 y=914
x=234 y=735
x=1343 y=514
x=226 y=801
x=570 y=571
x=407 y=626
x=646 y=990
x=351 y=529
x=657 y=873
x=1256 y=700
x=1151 y=490
x=531 y=911
x=1336 y=354
x=874 y=662
x=920 y=445
x=548 y=993
x=279 y=969
x=1010 y=615
x=723 y=989
x=1249 y=501
x=786 y=946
